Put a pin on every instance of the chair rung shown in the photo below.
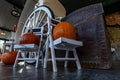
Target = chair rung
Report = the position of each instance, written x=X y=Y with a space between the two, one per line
x=64 y=59
x=26 y=59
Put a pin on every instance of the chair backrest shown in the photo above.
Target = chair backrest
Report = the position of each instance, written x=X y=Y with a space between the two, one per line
x=42 y=31
x=57 y=8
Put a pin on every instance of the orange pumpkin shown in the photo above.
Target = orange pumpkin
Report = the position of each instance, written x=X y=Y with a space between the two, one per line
x=64 y=29
x=0 y=56
x=29 y=38
x=9 y=57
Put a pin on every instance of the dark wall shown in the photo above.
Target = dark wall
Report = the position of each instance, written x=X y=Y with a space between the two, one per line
x=90 y=27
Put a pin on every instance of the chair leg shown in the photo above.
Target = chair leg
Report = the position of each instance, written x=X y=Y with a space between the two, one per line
x=42 y=58
x=24 y=56
x=53 y=60
x=46 y=57
x=37 y=59
x=16 y=60
x=45 y=60
x=77 y=61
x=66 y=56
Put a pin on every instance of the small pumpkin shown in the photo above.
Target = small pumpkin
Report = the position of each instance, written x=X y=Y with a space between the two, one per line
x=0 y=56
x=64 y=29
x=29 y=38
x=9 y=57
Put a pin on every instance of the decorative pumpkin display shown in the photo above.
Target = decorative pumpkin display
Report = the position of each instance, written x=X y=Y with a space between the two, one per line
x=9 y=57
x=29 y=38
x=64 y=29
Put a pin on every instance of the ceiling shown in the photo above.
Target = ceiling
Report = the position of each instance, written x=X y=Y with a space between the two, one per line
x=19 y=3
x=110 y=6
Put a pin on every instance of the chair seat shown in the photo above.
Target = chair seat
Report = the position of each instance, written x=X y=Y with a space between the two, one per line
x=65 y=43
x=24 y=50
x=30 y=47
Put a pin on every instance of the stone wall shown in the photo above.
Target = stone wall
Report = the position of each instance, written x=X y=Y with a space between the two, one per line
x=113 y=26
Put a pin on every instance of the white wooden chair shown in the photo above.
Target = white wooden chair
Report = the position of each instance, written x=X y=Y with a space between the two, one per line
x=37 y=21
x=29 y=53
x=60 y=44
x=8 y=45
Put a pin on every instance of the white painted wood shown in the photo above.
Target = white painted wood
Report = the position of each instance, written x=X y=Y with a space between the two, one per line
x=37 y=21
x=66 y=56
x=61 y=44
